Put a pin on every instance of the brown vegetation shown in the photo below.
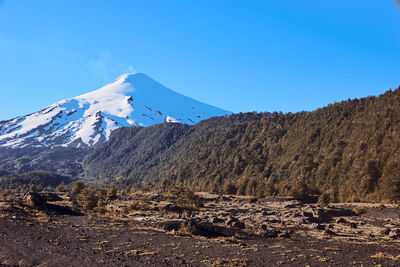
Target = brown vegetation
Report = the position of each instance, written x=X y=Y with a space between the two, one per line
x=346 y=152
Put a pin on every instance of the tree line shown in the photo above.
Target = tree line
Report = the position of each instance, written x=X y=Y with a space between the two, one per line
x=346 y=151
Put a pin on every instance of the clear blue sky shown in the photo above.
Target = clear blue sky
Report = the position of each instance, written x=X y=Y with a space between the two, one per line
x=253 y=55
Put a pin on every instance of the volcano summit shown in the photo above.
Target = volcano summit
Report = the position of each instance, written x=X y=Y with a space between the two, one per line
x=133 y=99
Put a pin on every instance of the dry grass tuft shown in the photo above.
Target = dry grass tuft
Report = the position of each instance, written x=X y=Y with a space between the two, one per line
x=332 y=249
x=139 y=252
x=382 y=255
x=184 y=231
x=229 y=239
x=359 y=210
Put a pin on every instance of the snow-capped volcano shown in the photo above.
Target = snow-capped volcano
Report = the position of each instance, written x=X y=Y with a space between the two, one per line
x=88 y=119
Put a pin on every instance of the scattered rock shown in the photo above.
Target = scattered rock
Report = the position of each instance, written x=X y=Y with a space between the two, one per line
x=268 y=213
x=157 y=198
x=307 y=213
x=318 y=226
x=271 y=233
x=272 y=220
x=217 y=220
x=287 y=214
x=225 y=198
x=209 y=197
x=370 y=235
x=211 y=230
x=284 y=235
x=321 y=215
x=293 y=204
x=394 y=233
x=306 y=220
x=172 y=208
x=238 y=224
x=51 y=197
x=329 y=232
x=385 y=231
x=231 y=220
x=24 y=263
x=8 y=262
x=170 y=225
x=341 y=220
x=353 y=225
x=234 y=222
x=253 y=200
x=297 y=215
x=35 y=199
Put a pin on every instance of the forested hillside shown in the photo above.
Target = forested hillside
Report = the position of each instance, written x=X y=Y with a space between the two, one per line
x=347 y=151
x=62 y=160
x=41 y=179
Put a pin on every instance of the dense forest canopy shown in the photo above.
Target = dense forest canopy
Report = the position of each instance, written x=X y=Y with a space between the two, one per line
x=347 y=151
x=41 y=179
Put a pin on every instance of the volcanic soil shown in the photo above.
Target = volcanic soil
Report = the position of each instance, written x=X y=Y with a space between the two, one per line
x=227 y=231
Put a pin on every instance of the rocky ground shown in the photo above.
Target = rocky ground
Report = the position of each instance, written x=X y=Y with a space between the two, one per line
x=150 y=229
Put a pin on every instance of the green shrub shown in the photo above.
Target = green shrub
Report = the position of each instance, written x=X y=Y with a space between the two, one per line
x=324 y=199
x=186 y=198
x=88 y=199
x=230 y=188
x=112 y=191
x=78 y=187
x=33 y=189
x=61 y=188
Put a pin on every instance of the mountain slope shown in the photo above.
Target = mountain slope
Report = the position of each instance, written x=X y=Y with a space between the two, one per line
x=86 y=120
x=348 y=150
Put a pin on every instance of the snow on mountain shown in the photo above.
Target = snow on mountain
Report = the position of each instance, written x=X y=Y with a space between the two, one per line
x=89 y=119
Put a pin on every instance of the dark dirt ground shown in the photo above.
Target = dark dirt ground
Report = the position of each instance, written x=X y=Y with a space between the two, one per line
x=85 y=241
x=58 y=235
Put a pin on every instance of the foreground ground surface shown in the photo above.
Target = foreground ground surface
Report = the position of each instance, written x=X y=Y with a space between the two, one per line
x=269 y=233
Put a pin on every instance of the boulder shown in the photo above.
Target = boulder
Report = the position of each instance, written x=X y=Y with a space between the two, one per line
x=306 y=220
x=307 y=214
x=253 y=200
x=51 y=197
x=394 y=234
x=170 y=225
x=231 y=220
x=293 y=204
x=385 y=231
x=329 y=232
x=239 y=225
x=268 y=213
x=172 y=208
x=273 y=220
x=217 y=220
x=234 y=222
x=284 y=235
x=208 y=229
x=157 y=198
x=226 y=198
x=35 y=199
x=353 y=225
x=271 y=233
x=341 y=220
x=318 y=226
x=321 y=215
